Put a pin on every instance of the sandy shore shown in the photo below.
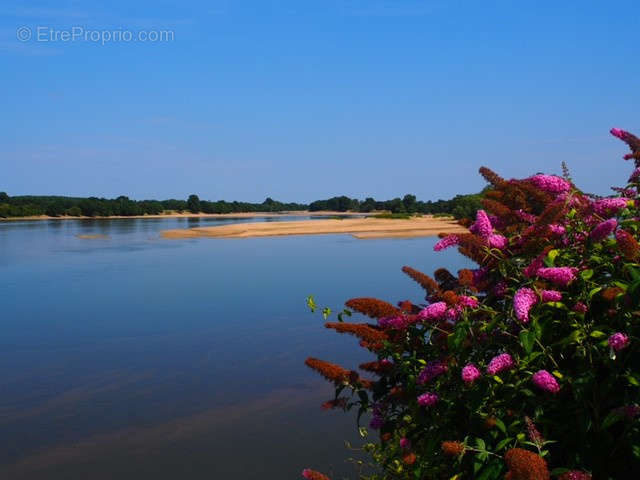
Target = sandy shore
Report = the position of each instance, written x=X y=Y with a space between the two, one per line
x=297 y=213
x=95 y=236
x=358 y=227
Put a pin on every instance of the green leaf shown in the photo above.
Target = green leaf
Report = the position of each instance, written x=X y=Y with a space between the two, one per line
x=611 y=419
x=480 y=444
x=527 y=339
x=634 y=272
x=633 y=380
x=492 y=471
x=501 y=426
x=311 y=303
x=503 y=443
x=598 y=334
x=593 y=291
x=326 y=311
x=457 y=337
x=586 y=274
x=622 y=285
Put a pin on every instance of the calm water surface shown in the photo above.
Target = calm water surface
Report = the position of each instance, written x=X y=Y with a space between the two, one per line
x=137 y=357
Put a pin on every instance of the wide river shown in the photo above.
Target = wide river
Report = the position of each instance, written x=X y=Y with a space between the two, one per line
x=137 y=357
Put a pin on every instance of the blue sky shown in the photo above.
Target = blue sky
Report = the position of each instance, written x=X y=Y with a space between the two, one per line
x=305 y=100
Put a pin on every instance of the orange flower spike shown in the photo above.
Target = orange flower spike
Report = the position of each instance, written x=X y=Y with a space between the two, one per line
x=465 y=277
x=425 y=281
x=409 y=458
x=497 y=208
x=526 y=465
x=372 y=307
x=330 y=371
x=610 y=293
x=452 y=449
x=492 y=177
x=628 y=245
x=361 y=330
x=376 y=367
x=450 y=298
x=309 y=474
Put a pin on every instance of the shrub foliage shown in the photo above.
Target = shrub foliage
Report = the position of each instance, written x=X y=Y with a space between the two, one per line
x=526 y=367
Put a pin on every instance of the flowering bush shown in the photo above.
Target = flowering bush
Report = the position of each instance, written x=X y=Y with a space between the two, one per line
x=526 y=367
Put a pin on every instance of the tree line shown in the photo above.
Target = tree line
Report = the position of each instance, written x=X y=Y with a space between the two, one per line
x=55 y=206
x=460 y=206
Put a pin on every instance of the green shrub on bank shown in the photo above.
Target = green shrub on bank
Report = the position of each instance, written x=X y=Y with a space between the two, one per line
x=524 y=368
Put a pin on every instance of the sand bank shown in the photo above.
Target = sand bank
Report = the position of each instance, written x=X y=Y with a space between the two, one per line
x=94 y=236
x=358 y=227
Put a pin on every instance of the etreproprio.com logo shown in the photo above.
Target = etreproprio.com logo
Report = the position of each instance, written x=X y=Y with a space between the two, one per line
x=78 y=33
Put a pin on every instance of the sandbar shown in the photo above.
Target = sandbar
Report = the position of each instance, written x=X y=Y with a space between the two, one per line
x=363 y=228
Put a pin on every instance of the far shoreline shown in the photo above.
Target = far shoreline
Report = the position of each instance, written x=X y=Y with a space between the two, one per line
x=292 y=213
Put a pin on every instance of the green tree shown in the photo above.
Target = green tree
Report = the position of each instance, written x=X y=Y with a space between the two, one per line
x=368 y=205
x=193 y=204
x=409 y=202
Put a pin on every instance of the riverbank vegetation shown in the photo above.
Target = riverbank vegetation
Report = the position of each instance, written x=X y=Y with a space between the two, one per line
x=460 y=206
x=526 y=367
x=56 y=206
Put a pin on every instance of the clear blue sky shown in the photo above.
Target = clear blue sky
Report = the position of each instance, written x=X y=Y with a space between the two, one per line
x=301 y=100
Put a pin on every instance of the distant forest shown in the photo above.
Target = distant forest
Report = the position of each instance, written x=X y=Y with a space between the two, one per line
x=460 y=206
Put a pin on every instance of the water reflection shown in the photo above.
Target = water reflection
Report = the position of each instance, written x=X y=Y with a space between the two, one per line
x=139 y=357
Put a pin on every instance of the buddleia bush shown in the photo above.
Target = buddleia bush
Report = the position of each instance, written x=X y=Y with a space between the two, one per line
x=525 y=367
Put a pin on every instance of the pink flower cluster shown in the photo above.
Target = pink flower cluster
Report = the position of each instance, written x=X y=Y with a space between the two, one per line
x=466 y=301
x=621 y=134
x=561 y=276
x=433 y=312
x=550 y=183
x=431 y=371
x=523 y=300
x=428 y=399
x=500 y=363
x=500 y=289
x=608 y=207
x=405 y=443
x=470 y=373
x=446 y=242
x=545 y=381
x=628 y=411
x=603 y=230
x=399 y=322
x=482 y=226
x=635 y=175
x=497 y=241
x=580 y=307
x=575 y=475
x=618 y=341
x=551 y=296
x=535 y=265
x=527 y=217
